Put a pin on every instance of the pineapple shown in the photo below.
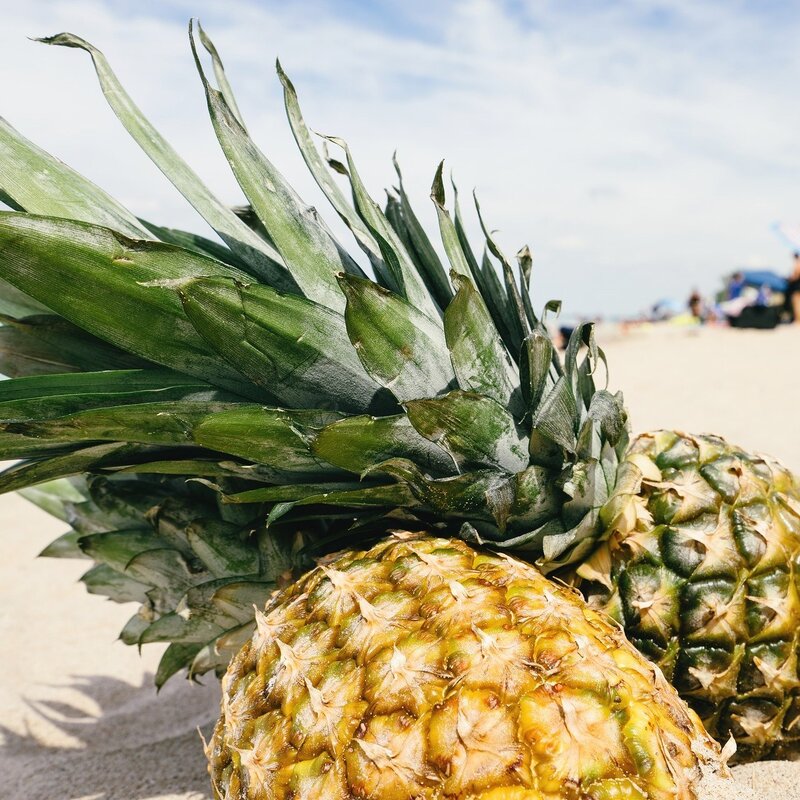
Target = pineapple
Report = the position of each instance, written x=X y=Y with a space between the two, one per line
x=232 y=415
x=424 y=668
x=698 y=560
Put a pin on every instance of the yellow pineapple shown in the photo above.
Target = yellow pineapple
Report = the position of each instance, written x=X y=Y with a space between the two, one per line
x=422 y=668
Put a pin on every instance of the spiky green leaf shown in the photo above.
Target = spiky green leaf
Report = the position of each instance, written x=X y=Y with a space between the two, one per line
x=476 y=430
x=45 y=344
x=358 y=443
x=419 y=246
x=55 y=465
x=262 y=258
x=69 y=265
x=392 y=495
x=296 y=349
x=480 y=359
x=308 y=249
x=407 y=280
x=219 y=73
x=273 y=437
x=321 y=174
x=399 y=346
x=41 y=184
x=56 y=395
x=450 y=239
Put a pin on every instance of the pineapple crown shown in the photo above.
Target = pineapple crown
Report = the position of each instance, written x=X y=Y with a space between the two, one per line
x=268 y=382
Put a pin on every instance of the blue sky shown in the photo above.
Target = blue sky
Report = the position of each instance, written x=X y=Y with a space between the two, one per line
x=640 y=148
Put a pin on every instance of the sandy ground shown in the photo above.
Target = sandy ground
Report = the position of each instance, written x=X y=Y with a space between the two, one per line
x=743 y=385
x=79 y=719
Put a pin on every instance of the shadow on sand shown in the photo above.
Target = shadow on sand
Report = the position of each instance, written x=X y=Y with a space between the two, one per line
x=135 y=745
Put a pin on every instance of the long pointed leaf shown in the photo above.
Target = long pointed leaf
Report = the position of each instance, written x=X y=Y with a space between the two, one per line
x=46 y=344
x=487 y=282
x=292 y=492
x=359 y=443
x=525 y=264
x=450 y=239
x=41 y=184
x=480 y=359
x=497 y=301
x=210 y=466
x=461 y=231
x=393 y=494
x=70 y=266
x=272 y=437
x=308 y=250
x=44 y=396
x=399 y=346
x=263 y=259
x=508 y=274
x=321 y=174
x=219 y=74
x=428 y=263
x=408 y=281
x=144 y=423
x=296 y=349
x=474 y=429
x=31 y=473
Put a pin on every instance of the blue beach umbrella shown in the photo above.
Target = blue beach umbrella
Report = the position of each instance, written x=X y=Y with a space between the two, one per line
x=764 y=277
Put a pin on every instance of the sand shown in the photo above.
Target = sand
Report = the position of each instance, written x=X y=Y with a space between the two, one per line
x=79 y=718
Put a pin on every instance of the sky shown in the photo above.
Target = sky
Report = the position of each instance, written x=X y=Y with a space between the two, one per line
x=640 y=148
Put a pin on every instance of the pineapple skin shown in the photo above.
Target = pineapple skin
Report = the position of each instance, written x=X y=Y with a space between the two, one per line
x=423 y=668
x=700 y=563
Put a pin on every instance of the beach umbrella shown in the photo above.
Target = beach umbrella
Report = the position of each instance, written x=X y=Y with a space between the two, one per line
x=764 y=277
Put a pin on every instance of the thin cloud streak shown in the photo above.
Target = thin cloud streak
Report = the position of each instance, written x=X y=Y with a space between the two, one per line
x=640 y=148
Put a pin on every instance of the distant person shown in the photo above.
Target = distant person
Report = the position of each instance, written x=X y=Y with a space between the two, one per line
x=696 y=305
x=792 y=299
x=735 y=286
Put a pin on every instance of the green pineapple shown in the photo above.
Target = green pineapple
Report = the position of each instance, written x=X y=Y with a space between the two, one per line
x=699 y=562
x=231 y=415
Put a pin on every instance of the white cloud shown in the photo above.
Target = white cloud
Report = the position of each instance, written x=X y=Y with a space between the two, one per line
x=640 y=148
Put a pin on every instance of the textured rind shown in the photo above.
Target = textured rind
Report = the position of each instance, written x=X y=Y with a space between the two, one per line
x=700 y=562
x=425 y=669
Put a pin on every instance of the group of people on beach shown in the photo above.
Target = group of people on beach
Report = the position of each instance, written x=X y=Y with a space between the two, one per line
x=748 y=305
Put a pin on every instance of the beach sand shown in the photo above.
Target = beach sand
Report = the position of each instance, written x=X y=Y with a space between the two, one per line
x=79 y=717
